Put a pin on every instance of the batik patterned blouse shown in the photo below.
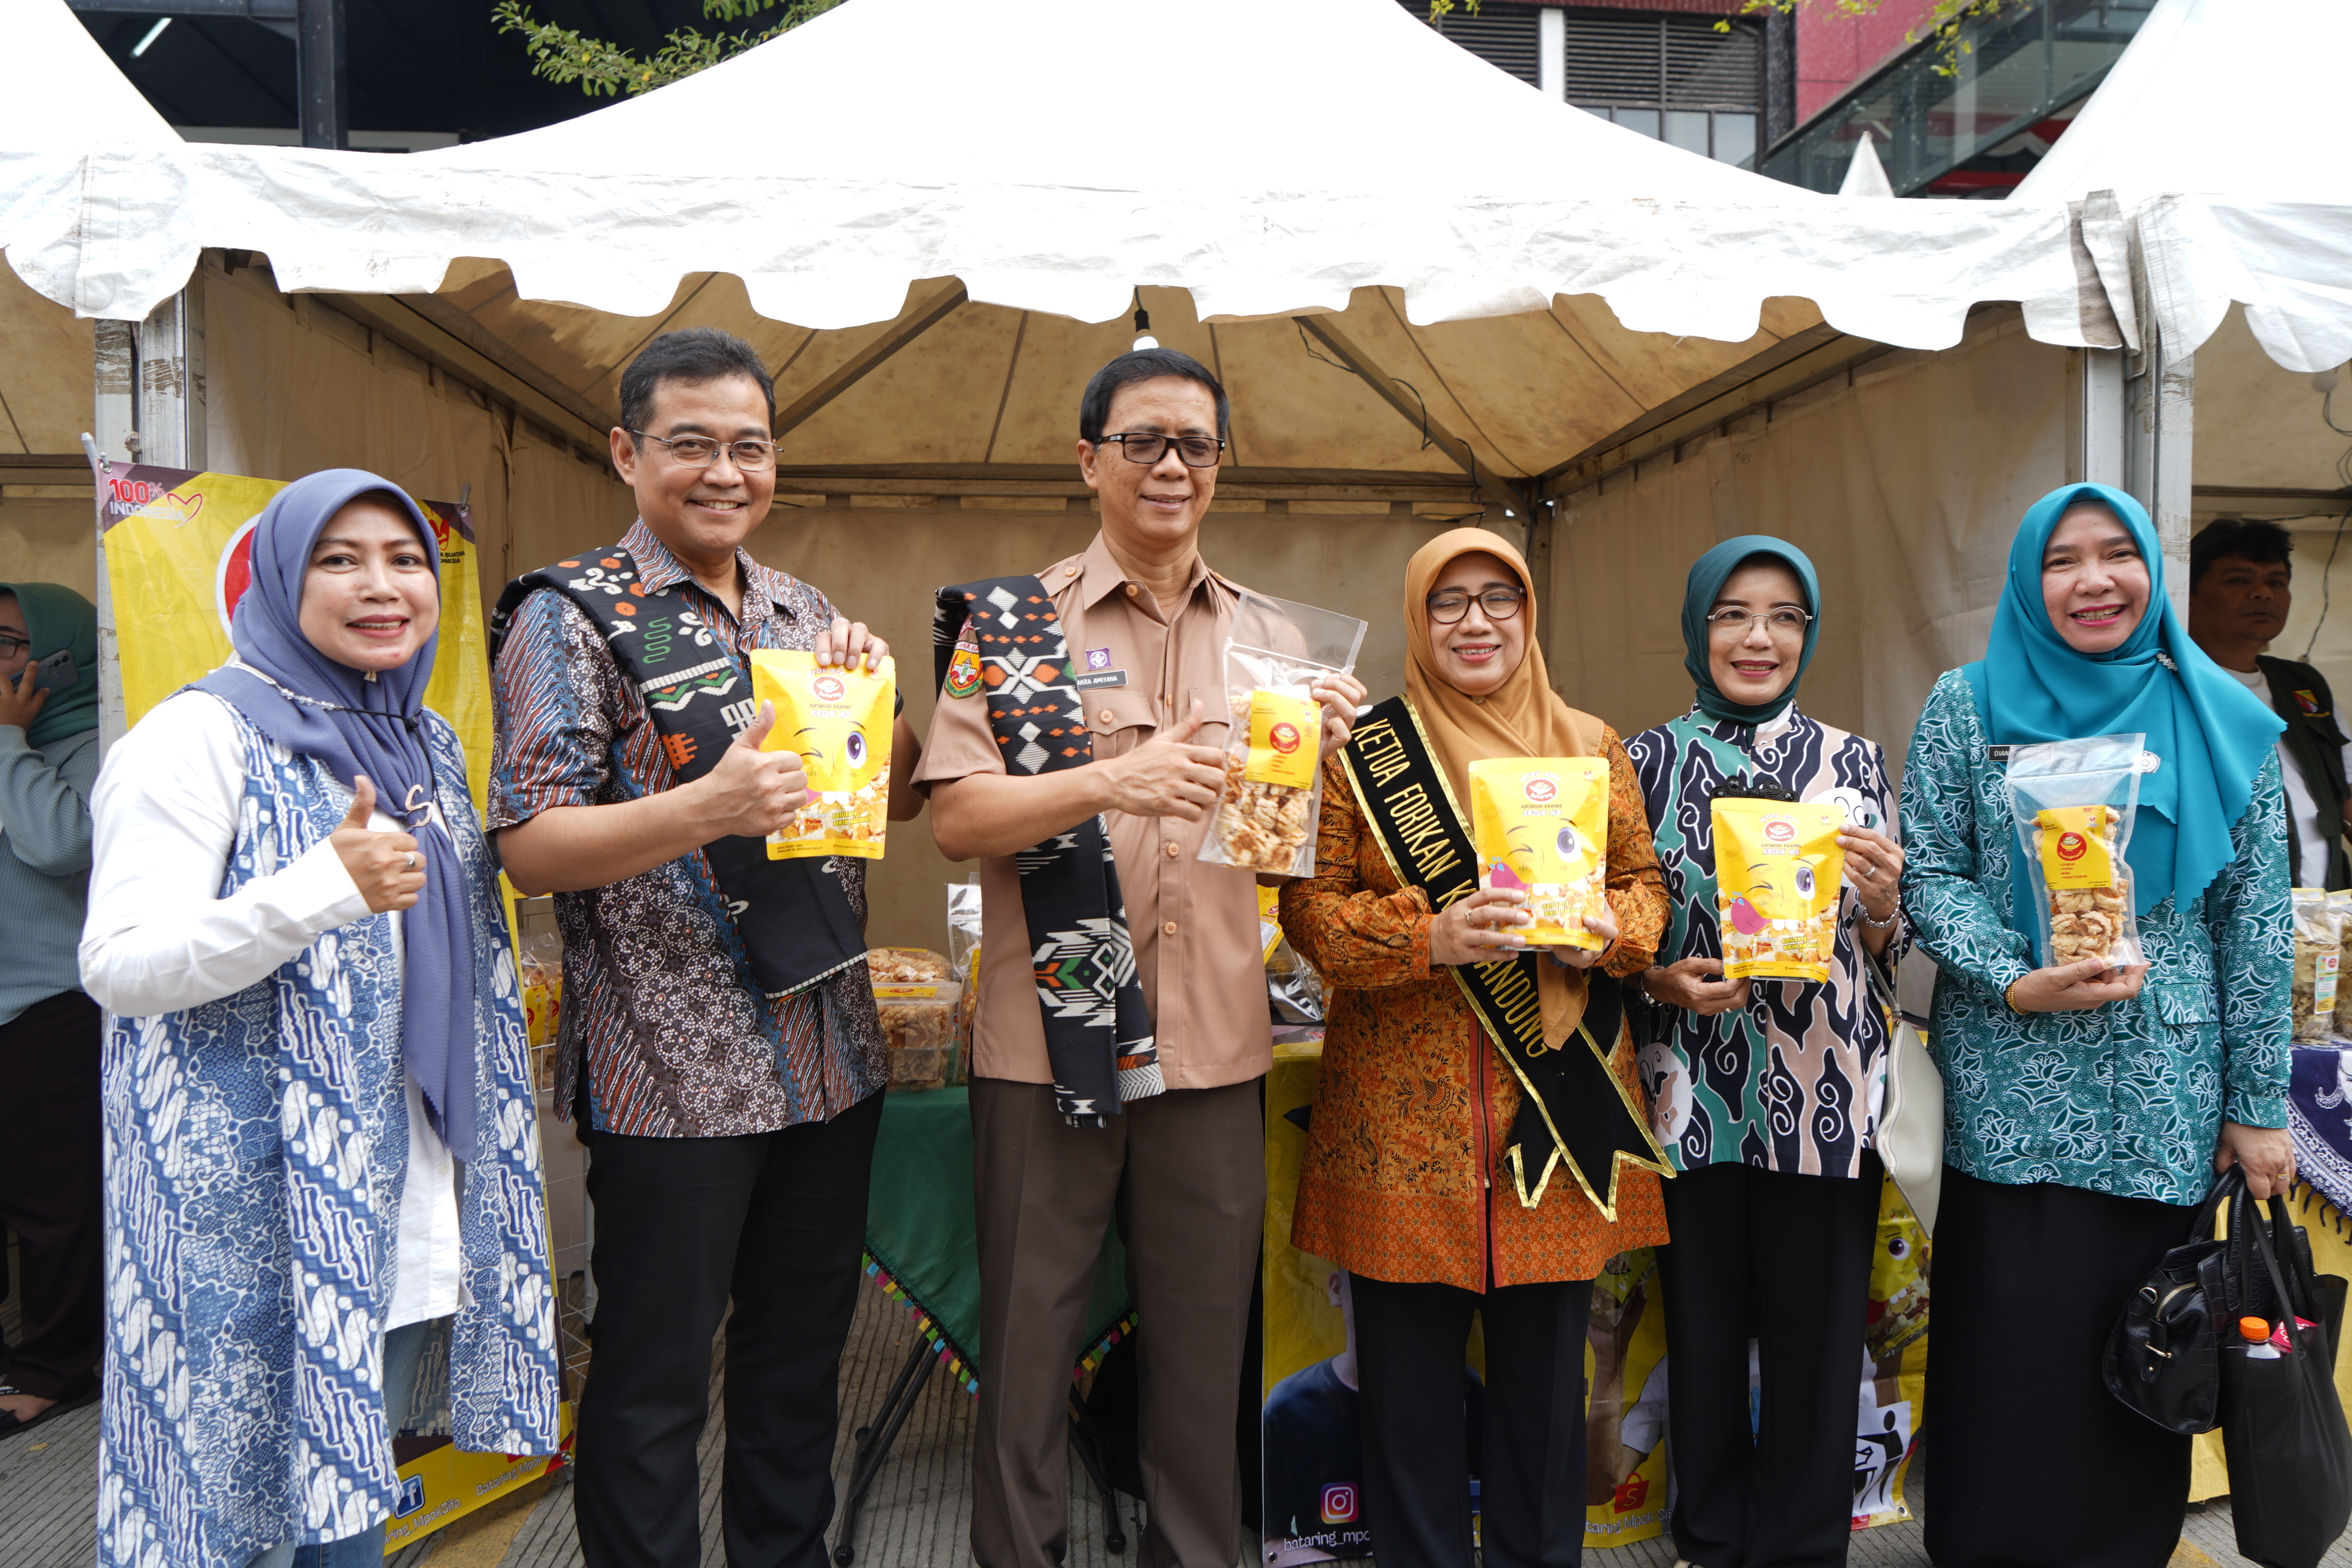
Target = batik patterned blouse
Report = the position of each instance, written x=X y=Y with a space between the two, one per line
x=1794 y=1080
x=2128 y=1097
x=1405 y=1178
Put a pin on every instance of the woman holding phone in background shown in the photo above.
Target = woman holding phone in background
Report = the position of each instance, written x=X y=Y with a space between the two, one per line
x=50 y=1170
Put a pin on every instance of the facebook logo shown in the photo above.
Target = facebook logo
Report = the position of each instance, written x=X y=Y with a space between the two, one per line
x=412 y=1496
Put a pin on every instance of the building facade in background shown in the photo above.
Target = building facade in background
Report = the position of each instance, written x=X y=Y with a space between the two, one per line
x=1791 y=96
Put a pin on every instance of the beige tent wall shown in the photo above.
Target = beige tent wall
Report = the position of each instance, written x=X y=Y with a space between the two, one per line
x=293 y=386
x=45 y=404
x=1902 y=479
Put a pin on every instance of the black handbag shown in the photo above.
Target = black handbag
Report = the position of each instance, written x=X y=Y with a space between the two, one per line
x=2282 y=1427
x=2163 y=1358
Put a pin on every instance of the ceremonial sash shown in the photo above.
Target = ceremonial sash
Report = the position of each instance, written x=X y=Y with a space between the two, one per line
x=1575 y=1111
x=794 y=916
x=1003 y=636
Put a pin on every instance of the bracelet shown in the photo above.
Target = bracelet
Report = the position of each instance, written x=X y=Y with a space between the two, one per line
x=2011 y=1001
x=1862 y=915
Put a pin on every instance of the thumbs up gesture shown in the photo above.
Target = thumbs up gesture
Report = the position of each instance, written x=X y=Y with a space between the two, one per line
x=753 y=793
x=388 y=868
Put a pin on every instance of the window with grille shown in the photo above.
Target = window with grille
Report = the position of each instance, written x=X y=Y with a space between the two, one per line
x=1673 y=77
x=1504 y=36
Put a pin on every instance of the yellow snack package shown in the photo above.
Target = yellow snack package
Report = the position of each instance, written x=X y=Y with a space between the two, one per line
x=1777 y=869
x=1540 y=826
x=839 y=722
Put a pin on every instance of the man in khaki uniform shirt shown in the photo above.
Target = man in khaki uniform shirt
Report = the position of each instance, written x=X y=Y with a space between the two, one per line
x=1146 y=622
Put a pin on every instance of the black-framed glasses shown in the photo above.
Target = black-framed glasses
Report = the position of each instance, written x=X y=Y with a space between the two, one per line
x=10 y=646
x=1782 y=622
x=701 y=451
x=1193 y=451
x=1448 y=606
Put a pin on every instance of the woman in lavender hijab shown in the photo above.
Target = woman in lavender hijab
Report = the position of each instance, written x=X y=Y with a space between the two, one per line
x=312 y=1023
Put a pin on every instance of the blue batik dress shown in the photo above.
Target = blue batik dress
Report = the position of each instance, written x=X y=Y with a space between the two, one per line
x=255 y=1150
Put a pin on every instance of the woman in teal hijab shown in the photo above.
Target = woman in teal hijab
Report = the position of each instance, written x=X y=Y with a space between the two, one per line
x=2086 y=1106
x=1765 y=1093
x=49 y=1160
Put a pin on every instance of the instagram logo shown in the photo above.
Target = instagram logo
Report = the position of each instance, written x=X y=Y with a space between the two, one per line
x=1339 y=1503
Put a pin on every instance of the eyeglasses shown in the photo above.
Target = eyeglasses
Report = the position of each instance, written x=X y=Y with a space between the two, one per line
x=1780 y=623
x=700 y=452
x=1448 y=606
x=1194 y=452
x=11 y=646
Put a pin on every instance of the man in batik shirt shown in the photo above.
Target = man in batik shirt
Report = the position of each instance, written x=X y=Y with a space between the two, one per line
x=730 y=1130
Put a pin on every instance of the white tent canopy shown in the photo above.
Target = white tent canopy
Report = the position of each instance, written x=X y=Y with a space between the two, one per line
x=1267 y=158
x=2220 y=137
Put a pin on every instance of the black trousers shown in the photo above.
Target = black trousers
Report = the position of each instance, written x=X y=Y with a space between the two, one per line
x=2033 y=1463
x=1785 y=1258
x=1416 y=1490
x=52 y=1187
x=777 y=1220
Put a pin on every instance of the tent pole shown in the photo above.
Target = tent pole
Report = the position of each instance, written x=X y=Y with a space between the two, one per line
x=149 y=405
x=2159 y=428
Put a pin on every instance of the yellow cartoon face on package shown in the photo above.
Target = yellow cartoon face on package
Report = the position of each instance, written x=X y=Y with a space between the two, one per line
x=1540 y=827
x=1776 y=871
x=838 y=720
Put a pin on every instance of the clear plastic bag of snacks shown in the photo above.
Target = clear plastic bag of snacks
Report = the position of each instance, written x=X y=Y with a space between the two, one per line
x=1273 y=785
x=2318 y=941
x=1540 y=827
x=2074 y=802
x=1777 y=873
x=838 y=719
x=2340 y=903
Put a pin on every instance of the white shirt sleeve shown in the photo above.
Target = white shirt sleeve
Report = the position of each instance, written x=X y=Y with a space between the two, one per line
x=158 y=937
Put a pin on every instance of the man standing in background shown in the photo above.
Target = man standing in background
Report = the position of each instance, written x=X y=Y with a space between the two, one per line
x=2239 y=591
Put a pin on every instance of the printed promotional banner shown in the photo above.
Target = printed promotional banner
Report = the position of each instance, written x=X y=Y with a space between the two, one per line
x=1310 y=1421
x=179 y=556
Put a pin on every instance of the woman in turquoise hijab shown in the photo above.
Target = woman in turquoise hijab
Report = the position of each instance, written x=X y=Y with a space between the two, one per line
x=49 y=1160
x=2087 y=1107
x=1765 y=1093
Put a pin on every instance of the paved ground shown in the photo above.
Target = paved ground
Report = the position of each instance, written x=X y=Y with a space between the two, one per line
x=918 y=1515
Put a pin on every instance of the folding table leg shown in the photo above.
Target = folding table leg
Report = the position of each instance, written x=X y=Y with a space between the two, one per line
x=874 y=1442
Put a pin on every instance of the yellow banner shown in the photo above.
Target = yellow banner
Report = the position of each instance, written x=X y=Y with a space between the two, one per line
x=179 y=556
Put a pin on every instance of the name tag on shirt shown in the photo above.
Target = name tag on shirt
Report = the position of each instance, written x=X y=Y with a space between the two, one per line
x=1101 y=678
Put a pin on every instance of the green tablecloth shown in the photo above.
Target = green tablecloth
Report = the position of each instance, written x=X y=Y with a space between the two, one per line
x=920 y=1243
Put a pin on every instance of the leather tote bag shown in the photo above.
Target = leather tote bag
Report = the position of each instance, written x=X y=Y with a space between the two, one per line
x=2282 y=1425
x=2163 y=1358
x=1911 y=1119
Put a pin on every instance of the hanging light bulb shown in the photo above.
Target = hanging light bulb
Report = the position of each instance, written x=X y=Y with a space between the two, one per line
x=1143 y=338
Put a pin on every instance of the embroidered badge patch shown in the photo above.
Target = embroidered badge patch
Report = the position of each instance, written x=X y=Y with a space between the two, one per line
x=2309 y=703
x=963 y=665
x=1097 y=658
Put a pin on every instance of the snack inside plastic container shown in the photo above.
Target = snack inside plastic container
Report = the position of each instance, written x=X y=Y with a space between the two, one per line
x=920 y=1004
x=1540 y=827
x=2339 y=903
x=1778 y=869
x=2317 y=936
x=838 y=719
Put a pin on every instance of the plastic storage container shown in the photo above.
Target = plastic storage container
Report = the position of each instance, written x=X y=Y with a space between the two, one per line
x=920 y=1021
